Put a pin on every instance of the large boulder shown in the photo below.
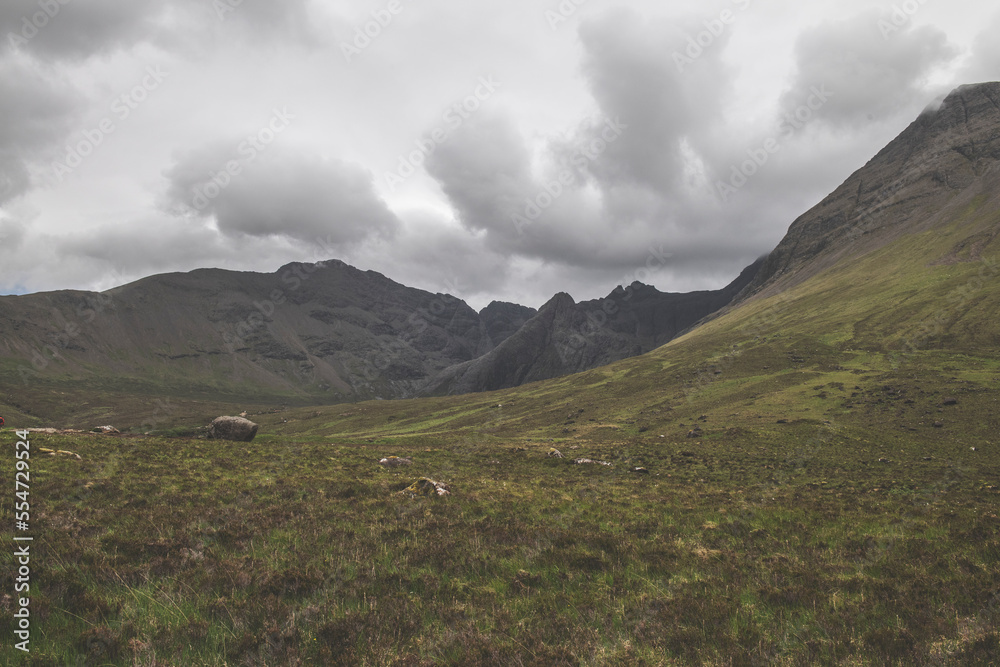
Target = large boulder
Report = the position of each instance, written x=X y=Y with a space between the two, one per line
x=232 y=428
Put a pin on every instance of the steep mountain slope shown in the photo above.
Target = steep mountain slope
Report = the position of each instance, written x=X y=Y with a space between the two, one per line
x=917 y=182
x=310 y=333
x=502 y=320
x=566 y=337
x=326 y=330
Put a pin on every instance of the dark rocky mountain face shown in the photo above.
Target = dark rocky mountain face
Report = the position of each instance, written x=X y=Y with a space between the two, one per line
x=943 y=160
x=322 y=331
x=502 y=320
x=567 y=337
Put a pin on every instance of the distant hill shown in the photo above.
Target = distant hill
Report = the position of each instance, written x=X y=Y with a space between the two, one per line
x=309 y=330
x=567 y=337
x=308 y=333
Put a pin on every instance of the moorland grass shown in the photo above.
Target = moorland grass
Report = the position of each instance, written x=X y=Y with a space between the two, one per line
x=813 y=496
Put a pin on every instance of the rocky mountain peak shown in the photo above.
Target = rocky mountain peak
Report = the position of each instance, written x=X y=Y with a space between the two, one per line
x=943 y=156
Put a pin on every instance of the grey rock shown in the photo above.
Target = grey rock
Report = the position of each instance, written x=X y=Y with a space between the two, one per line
x=237 y=429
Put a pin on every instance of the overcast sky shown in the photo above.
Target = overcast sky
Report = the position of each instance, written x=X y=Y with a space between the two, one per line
x=492 y=150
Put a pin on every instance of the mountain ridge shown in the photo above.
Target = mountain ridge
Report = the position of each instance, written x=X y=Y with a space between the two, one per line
x=568 y=337
x=343 y=334
x=882 y=197
x=313 y=332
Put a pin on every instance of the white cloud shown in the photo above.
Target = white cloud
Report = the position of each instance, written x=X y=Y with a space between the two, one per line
x=130 y=211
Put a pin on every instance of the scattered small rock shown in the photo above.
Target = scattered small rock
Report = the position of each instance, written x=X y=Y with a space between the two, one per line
x=554 y=453
x=591 y=461
x=427 y=488
x=60 y=452
x=107 y=430
x=192 y=555
x=884 y=461
x=928 y=458
x=938 y=424
x=694 y=433
x=640 y=470
x=395 y=462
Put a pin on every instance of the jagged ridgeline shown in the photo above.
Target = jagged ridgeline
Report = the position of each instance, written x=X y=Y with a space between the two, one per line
x=324 y=332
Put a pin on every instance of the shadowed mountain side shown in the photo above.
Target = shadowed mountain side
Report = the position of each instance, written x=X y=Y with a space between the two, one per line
x=322 y=330
x=567 y=337
x=502 y=320
x=910 y=186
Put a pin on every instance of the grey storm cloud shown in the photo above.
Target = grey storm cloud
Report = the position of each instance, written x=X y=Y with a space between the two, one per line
x=131 y=248
x=596 y=163
x=115 y=254
x=871 y=71
x=35 y=113
x=289 y=18
x=279 y=192
x=439 y=256
x=485 y=170
x=11 y=235
x=984 y=63
x=630 y=68
x=609 y=193
x=79 y=29
x=73 y=29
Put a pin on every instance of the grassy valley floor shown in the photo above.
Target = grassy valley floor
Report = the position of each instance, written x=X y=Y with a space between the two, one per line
x=855 y=532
